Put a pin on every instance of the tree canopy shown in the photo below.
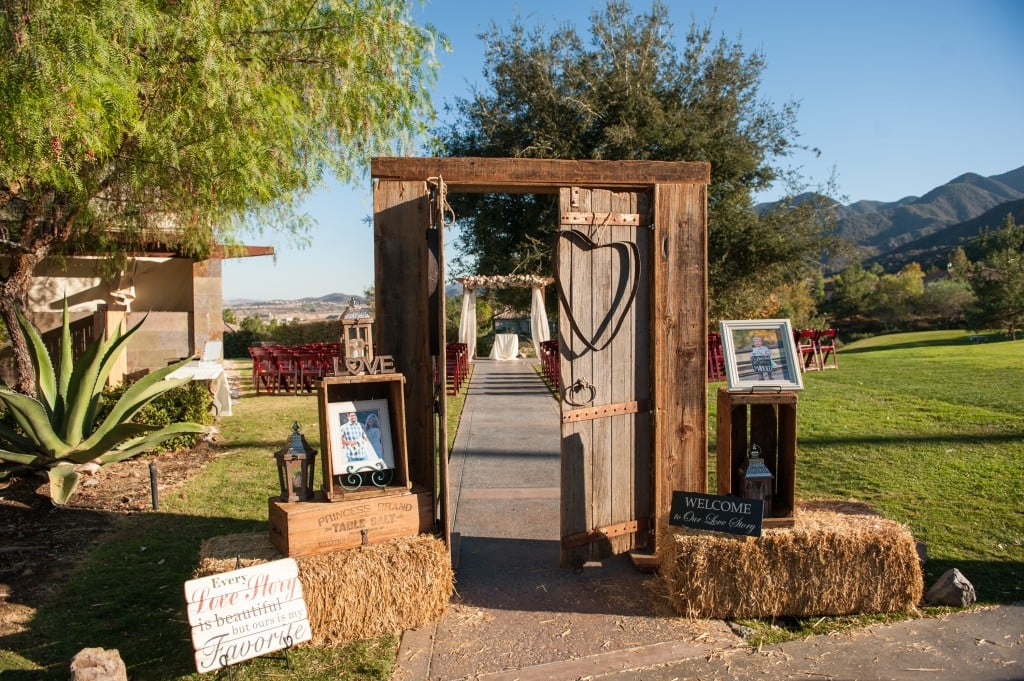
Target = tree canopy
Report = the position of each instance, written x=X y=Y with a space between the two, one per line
x=129 y=122
x=633 y=94
x=998 y=279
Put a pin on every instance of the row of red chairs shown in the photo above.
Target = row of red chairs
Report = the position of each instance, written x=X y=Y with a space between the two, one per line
x=292 y=368
x=457 y=366
x=549 y=362
x=817 y=348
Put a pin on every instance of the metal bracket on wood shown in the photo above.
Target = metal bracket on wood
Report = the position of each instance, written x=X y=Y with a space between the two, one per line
x=601 y=219
x=591 y=536
x=604 y=410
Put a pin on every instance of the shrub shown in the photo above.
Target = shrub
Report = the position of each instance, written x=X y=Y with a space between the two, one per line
x=190 y=402
x=61 y=429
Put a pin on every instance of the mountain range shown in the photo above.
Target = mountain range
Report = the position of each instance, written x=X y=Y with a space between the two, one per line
x=926 y=228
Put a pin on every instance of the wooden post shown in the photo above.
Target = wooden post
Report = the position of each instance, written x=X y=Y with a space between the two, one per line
x=679 y=332
x=401 y=220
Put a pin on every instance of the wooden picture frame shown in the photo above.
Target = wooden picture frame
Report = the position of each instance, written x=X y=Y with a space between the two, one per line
x=373 y=451
x=760 y=354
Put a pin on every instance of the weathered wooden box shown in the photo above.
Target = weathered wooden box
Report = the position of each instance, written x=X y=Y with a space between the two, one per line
x=387 y=388
x=366 y=517
x=768 y=420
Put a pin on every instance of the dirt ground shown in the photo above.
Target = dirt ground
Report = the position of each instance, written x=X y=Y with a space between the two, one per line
x=40 y=542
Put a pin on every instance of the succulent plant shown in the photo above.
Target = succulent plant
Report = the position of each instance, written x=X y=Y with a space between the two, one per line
x=59 y=430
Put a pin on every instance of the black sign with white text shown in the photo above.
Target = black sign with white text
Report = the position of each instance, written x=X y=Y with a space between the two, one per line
x=734 y=515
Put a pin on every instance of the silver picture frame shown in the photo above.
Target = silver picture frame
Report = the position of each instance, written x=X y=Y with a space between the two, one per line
x=760 y=355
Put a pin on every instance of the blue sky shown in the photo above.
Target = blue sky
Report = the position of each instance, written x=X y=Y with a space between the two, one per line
x=899 y=96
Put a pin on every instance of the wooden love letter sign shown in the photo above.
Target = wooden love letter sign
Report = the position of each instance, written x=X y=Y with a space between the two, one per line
x=246 y=613
x=381 y=364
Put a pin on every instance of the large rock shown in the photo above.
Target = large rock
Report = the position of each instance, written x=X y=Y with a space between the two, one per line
x=98 y=664
x=952 y=589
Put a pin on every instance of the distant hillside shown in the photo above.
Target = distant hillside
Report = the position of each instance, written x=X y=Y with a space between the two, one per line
x=330 y=298
x=892 y=225
x=905 y=227
x=934 y=249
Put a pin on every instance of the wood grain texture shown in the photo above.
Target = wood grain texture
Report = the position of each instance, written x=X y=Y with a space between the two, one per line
x=401 y=326
x=538 y=176
x=605 y=462
x=680 y=343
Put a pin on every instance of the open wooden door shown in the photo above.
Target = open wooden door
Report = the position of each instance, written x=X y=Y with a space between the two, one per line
x=604 y=286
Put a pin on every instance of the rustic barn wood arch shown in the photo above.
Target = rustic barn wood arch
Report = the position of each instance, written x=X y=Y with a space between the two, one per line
x=650 y=418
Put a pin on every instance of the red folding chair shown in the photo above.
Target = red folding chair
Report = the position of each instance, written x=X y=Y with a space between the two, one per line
x=807 y=348
x=264 y=371
x=311 y=369
x=827 y=349
x=716 y=357
x=289 y=374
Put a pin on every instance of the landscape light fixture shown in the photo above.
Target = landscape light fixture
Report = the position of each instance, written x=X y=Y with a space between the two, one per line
x=295 y=467
x=757 y=480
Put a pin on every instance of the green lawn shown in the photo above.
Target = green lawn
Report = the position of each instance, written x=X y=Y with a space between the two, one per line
x=927 y=427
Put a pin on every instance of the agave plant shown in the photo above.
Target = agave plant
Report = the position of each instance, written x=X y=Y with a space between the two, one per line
x=59 y=429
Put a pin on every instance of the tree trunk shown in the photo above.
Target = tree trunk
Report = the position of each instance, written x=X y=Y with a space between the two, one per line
x=13 y=297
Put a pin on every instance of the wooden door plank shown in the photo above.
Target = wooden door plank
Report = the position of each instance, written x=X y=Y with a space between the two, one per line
x=440 y=375
x=643 y=450
x=603 y=315
x=574 y=448
x=620 y=364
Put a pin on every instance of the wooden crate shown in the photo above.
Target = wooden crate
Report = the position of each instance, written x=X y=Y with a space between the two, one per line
x=390 y=387
x=307 y=528
x=768 y=420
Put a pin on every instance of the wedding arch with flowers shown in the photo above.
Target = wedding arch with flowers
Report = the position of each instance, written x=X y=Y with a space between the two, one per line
x=538 y=315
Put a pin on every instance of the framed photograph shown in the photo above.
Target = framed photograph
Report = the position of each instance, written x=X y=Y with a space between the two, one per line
x=760 y=354
x=360 y=434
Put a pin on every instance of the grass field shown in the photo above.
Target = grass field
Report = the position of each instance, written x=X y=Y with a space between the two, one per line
x=927 y=427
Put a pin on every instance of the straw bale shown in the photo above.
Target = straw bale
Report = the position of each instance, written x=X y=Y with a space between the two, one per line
x=840 y=558
x=352 y=594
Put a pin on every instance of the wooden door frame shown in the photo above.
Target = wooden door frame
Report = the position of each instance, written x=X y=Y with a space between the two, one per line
x=678 y=333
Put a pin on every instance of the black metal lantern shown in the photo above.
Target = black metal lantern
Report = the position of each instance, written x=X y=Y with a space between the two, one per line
x=757 y=480
x=295 y=467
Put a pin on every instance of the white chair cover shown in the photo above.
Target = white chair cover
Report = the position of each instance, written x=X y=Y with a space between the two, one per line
x=467 y=321
x=538 y=319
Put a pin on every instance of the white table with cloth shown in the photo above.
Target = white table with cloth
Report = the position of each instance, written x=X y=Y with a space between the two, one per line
x=506 y=346
x=209 y=370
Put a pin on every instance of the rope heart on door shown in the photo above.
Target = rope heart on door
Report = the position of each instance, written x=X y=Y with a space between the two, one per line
x=630 y=253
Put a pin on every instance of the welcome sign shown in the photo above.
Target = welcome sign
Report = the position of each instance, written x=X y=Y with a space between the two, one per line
x=246 y=613
x=734 y=515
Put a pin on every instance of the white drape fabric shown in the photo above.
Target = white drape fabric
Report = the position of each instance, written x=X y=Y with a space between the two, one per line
x=467 y=321
x=538 y=319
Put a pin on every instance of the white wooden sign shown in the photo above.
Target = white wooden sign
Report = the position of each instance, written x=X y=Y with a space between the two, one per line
x=246 y=613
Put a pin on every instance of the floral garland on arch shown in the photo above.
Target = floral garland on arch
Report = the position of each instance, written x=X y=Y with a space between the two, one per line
x=493 y=281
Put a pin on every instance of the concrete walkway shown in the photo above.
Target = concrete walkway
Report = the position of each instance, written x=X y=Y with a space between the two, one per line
x=517 y=615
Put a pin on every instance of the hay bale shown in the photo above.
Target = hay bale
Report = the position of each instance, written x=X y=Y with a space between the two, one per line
x=233 y=551
x=840 y=558
x=354 y=594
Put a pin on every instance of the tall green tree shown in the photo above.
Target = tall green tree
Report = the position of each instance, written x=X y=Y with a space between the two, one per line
x=129 y=122
x=631 y=93
x=998 y=279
